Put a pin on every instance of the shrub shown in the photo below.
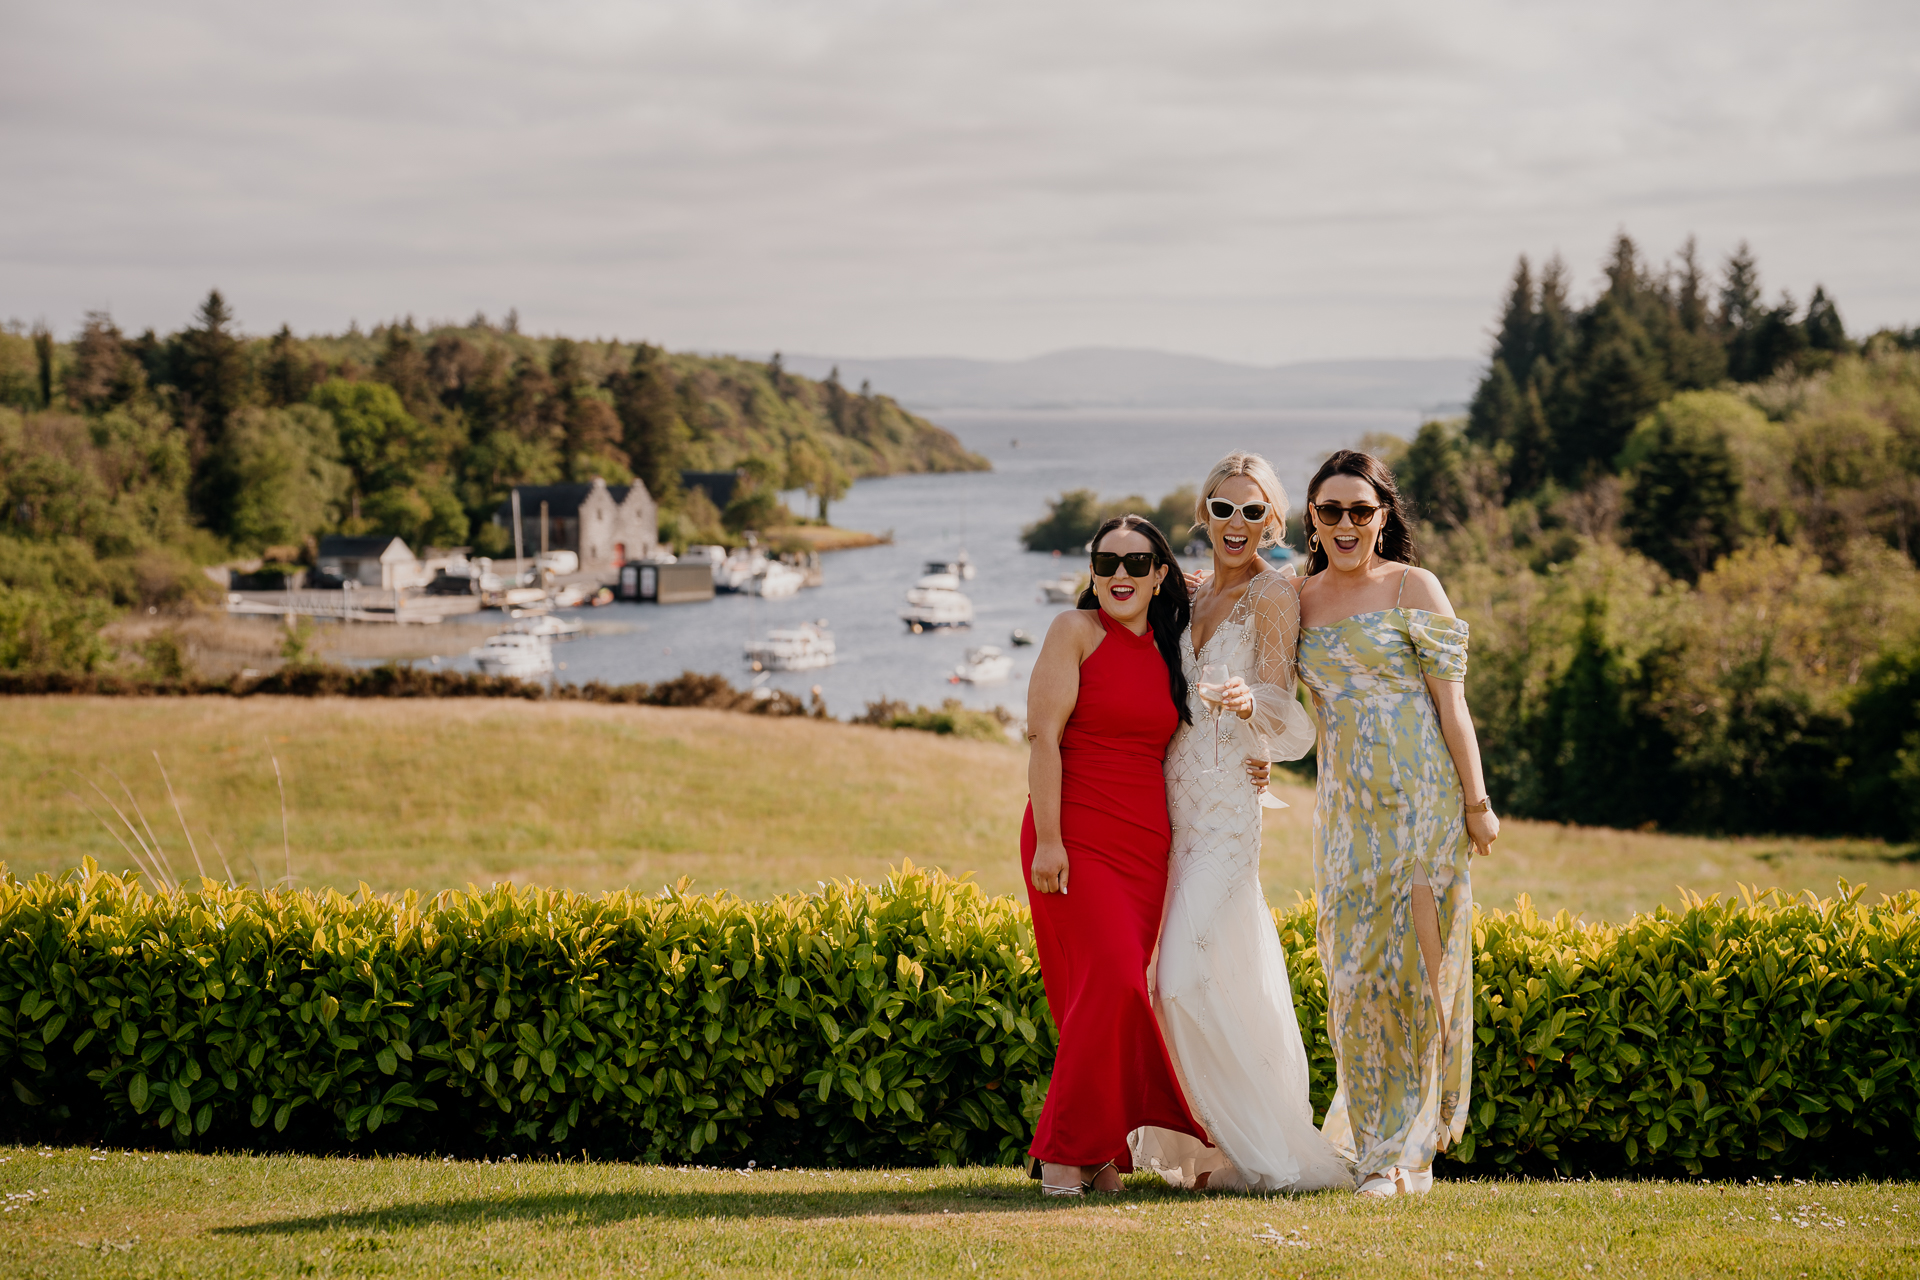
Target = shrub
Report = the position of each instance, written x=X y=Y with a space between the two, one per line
x=898 y=1024
x=952 y=718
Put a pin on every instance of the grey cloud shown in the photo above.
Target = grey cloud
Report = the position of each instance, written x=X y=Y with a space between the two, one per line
x=1262 y=182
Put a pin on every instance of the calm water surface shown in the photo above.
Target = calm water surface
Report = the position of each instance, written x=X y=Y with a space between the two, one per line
x=1035 y=456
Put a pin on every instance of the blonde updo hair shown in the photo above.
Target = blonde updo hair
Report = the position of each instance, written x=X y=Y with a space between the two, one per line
x=1260 y=471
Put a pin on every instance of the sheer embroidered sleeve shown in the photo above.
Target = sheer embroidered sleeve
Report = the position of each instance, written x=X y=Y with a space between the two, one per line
x=1283 y=726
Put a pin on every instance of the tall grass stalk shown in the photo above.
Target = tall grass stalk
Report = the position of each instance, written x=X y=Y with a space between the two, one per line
x=138 y=861
x=191 y=846
x=286 y=843
x=153 y=867
x=159 y=854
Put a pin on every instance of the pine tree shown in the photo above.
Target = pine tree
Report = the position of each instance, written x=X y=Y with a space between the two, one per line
x=1514 y=348
x=289 y=376
x=653 y=433
x=212 y=372
x=1823 y=327
x=1494 y=415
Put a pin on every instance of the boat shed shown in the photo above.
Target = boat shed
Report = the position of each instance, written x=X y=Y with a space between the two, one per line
x=382 y=560
x=605 y=525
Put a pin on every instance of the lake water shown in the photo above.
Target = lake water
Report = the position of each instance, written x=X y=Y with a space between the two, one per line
x=1035 y=456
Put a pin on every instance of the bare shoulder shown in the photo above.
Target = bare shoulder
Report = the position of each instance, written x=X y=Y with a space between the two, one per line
x=1074 y=631
x=1422 y=590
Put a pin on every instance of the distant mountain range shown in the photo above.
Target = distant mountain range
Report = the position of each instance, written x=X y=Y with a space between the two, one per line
x=1120 y=378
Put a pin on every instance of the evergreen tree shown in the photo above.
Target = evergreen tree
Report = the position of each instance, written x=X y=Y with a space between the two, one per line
x=1599 y=755
x=1740 y=312
x=1514 y=348
x=1494 y=415
x=103 y=372
x=1695 y=358
x=289 y=375
x=1774 y=342
x=211 y=369
x=1683 y=498
x=1432 y=476
x=652 y=432
x=1823 y=328
x=43 y=362
x=403 y=367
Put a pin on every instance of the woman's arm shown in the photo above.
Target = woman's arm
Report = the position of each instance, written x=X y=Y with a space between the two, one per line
x=1456 y=726
x=1052 y=691
x=1423 y=591
x=1276 y=716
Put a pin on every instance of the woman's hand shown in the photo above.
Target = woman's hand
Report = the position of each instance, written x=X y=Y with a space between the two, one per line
x=1050 y=868
x=1195 y=577
x=1237 y=698
x=1482 y=830
x=1258 y=771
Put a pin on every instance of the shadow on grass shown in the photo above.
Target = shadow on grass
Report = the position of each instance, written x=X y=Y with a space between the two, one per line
x=604 y=1208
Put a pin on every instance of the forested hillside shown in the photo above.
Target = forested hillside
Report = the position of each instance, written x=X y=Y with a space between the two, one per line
x=1683 y=523
x=126 y=461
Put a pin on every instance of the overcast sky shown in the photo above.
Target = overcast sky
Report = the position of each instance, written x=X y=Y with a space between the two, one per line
x=1259 y=181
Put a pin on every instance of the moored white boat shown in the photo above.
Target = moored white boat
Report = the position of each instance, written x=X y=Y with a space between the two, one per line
x=934 y=603
x=1064 y=589
x=801 y=648
x=775 y=581
x=522 y=656
x=738 y=569
x=547 y=626
x=961 y=566
x=984 y=664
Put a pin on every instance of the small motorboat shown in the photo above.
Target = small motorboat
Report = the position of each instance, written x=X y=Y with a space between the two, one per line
x=738 y=569
x=934 y=603
x=546 y=626
x=774 y=581
x=1021 y=638
x=984 y=664
x=510 y=654
x=571 y=596
x=801 y=648
x=961 y=567
x=1064 y=589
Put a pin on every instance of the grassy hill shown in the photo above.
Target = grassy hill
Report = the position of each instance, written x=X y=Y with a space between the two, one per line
x=432 y=795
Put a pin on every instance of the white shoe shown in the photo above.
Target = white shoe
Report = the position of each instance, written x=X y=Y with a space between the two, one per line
x=1380 y=1185
x=1414 y=1182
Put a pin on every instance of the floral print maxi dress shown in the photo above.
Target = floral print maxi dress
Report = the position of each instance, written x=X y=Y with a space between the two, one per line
x=1389 y=814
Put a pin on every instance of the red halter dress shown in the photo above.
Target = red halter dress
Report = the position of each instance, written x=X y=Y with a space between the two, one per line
x=1112 y=1074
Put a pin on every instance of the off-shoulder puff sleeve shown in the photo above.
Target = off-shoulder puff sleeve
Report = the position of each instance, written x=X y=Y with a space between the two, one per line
x=1285 y=729
x=1440 y=644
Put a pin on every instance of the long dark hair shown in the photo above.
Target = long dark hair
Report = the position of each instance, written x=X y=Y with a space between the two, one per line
x=1168 y=611
x=1396 y=539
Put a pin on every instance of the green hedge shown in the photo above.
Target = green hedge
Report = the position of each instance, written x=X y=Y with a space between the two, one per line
x=898 y=1024
x=392 y=680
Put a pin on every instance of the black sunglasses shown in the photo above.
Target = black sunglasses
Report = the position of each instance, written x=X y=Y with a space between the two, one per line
x=1255 y=512
x=1139 y=563
x=1330 y=513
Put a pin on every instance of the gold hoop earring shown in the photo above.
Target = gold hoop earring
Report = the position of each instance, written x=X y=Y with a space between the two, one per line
x=1380 y=545
x=1313 y=541
x=1156 y=591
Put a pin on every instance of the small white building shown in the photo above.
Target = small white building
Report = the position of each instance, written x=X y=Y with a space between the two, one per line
x=382 y=561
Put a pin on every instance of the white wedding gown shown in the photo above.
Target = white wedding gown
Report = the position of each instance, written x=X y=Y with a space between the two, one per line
x=1221 y=991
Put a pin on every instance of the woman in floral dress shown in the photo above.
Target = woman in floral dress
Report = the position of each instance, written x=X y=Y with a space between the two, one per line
x=1401 y=809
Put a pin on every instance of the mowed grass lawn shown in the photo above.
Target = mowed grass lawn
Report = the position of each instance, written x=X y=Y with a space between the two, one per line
x=440 y=794
x=86 y=1213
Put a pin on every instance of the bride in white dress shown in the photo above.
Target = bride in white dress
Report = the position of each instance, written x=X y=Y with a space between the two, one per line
x=1221 y=990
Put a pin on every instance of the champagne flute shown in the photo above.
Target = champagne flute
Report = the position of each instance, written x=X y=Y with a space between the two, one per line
x=1213 y=684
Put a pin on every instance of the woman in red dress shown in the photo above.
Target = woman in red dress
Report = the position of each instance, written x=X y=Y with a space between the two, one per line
x=1105 y=698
